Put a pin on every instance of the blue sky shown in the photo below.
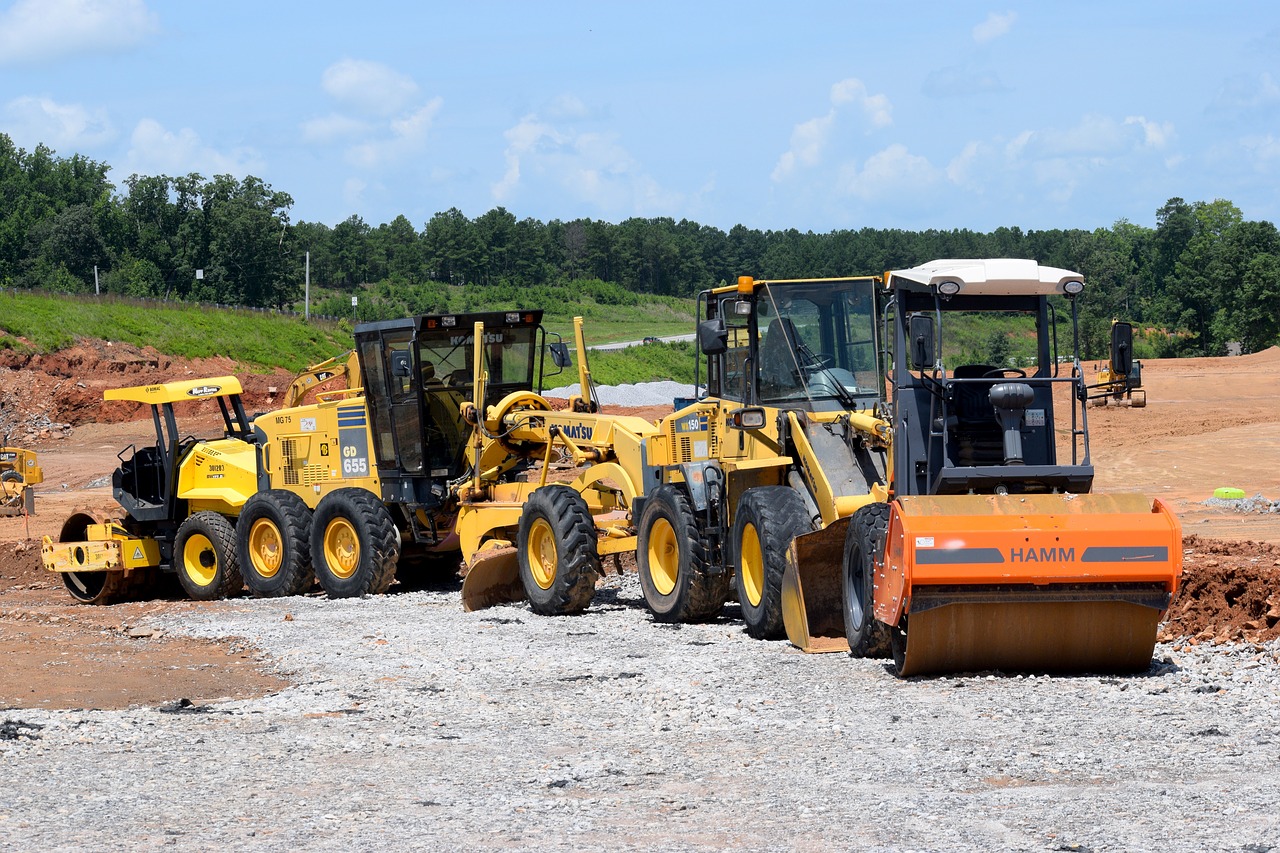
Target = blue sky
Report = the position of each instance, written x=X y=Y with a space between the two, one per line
x=814 y=116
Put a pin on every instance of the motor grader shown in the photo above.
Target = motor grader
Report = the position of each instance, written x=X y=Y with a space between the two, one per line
x=422 y=456
x=937 y=518
x=19 y=471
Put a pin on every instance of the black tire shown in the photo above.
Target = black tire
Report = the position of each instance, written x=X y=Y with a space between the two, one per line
x=862 y=543
x=274 y=545
x=204 y=556
x=768 y=518
x=354 y=544
x=13 y=498
x=673 y=563
x=556 y=548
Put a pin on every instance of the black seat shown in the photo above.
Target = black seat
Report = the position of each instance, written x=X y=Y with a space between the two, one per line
x=976 y=435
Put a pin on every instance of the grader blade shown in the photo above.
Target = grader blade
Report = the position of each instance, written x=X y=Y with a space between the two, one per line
x=1044 y=583
x=492 y=578
x=813 y=591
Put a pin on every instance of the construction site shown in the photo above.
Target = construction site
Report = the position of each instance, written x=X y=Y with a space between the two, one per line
x=739 y=620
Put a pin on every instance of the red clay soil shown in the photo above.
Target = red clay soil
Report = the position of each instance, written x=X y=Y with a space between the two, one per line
x=1208 y=423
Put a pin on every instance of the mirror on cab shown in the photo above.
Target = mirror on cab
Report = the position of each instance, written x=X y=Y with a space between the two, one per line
x=560 y=355
x=922 y=346
x=713 y=337
x=400 y=364
x=1122 y=348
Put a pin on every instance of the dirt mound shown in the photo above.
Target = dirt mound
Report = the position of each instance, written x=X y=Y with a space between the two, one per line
x=1230 y=591
x=44 y=394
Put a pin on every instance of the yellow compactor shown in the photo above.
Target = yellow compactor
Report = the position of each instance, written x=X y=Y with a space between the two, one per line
x=19 y=471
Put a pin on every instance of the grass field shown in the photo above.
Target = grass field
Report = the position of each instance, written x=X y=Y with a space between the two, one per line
x=262 y=340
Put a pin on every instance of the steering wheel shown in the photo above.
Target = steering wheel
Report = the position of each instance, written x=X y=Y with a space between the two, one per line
x=1003 y=372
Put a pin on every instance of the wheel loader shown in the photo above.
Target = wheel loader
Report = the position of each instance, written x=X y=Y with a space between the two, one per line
x=19 y=471
x=929 y=510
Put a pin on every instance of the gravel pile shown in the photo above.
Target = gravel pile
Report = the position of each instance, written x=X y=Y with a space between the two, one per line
x=1254 y=505
x=415 y=725
x=643 y=394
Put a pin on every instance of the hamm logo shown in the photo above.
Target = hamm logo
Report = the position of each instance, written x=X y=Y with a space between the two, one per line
x=204 y=390
x=1042 y=555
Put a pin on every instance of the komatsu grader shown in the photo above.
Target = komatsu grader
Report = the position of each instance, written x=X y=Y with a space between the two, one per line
x=19 y=471
x=423 y=455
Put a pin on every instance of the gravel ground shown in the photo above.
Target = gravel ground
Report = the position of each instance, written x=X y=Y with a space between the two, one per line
x=415 y=725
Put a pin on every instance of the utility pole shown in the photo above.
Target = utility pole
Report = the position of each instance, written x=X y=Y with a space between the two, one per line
x=306 y=300
x=96 y=292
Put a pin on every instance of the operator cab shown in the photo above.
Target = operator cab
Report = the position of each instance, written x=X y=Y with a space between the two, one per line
x=418 y=371
x=803 y=344
x=146 y=483
x=973 y=388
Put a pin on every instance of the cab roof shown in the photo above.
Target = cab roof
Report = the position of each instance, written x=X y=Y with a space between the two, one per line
x=176 y=392
x=986 y=277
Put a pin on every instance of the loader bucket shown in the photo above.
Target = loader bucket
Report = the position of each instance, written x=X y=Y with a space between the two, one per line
x=1039 y=583
x=813 y=591
x=492 y=578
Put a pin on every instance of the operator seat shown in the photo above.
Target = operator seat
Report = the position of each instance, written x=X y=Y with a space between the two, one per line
x=976 y=435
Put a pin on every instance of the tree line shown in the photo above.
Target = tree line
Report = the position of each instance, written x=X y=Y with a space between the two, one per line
x=1203 y=276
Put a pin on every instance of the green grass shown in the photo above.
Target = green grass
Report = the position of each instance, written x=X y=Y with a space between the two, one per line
x=257 y=340
x=647 y=363
x=42 y=323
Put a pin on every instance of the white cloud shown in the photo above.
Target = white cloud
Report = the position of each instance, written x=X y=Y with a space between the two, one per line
x=593 y=167
x=1155 y=135
x=994 y=26
x=876 y=107
x=408 y=136
x=155 y=150
x=32 y=120
x=810 y=139
x=1263 y=151
x=895 y=170
x=38 y=30
x=1245 y=93
x=960 y=169
x=332 y=127
x=368 y=87
x=1093 y=136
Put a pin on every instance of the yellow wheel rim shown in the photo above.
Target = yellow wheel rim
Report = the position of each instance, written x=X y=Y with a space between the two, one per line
x=752 y=565
x=266 y=550
x=199 y=560
x=541 y=551
x=341 y=548
x=664 y=556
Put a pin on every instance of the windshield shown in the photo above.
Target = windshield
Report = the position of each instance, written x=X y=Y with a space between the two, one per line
x=817 y=343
